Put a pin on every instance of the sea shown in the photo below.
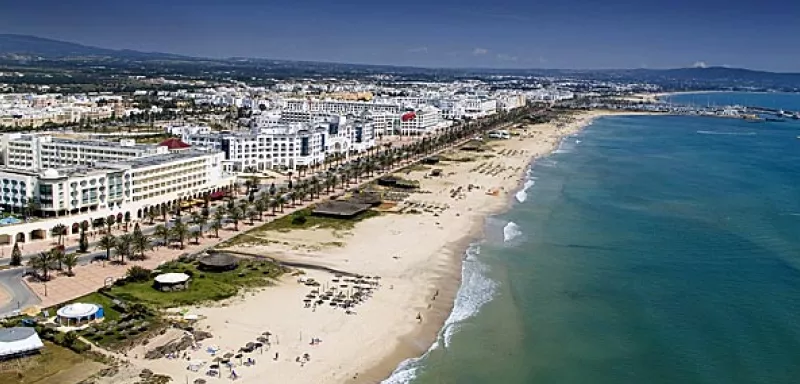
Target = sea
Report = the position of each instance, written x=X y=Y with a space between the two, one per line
x=647 y=249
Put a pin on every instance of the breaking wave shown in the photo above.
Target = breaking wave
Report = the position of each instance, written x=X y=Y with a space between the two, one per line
x=476 y=290
x=511 y=231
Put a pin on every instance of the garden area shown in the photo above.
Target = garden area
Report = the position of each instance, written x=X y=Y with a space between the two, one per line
x=204 y=285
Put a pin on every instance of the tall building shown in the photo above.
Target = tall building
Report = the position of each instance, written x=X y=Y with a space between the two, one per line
x=287 y=145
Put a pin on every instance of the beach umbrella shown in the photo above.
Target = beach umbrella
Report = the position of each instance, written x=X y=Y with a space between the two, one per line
x=217 y=359
x=200 y=381
x=262 y=339
x=267 y=333
x=228 y=355
x=250 y=345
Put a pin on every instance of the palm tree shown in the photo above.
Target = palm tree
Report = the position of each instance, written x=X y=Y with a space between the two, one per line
x=179 y=230
x=123 y=247
x=70 y=261
x=252 y=214
x=216 y=225
x=108 y=242
x=59 y=230
x=260 y=206
x=43 y=261
x=196 y=233
x=235 y=215
x=281 y=202
x=162 y=232
x=151 y=214
x=163 y=213
x=58 y=256
x=141 y=244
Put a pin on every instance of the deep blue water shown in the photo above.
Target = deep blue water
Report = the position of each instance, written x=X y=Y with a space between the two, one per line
x=656 y=250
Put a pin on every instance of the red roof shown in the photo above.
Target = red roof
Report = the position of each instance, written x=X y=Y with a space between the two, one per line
x=408 y=116
x=174 y=143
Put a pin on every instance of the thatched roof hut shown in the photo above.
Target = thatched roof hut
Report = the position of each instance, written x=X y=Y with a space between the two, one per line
x=431 y=160
x=338 y=208
x=218 y=261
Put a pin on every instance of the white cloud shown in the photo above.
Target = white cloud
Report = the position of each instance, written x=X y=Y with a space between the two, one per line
x=418 y=50
x=480 y=51
x=700 y=64
x=504 y=57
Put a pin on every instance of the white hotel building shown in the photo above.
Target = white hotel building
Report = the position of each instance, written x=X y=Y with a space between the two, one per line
x=75 y=181
x=276 y=145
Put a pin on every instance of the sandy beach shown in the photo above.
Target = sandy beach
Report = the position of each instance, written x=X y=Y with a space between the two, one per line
x=416 y=252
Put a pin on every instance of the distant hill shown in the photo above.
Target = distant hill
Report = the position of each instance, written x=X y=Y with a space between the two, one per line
x=32 y=47
x=37 y=51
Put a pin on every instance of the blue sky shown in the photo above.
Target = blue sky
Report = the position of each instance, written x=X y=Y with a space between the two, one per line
x=761 y=34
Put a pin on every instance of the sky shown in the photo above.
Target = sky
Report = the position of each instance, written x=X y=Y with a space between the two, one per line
x=565 y=34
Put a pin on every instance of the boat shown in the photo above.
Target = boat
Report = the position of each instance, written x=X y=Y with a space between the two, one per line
x=774 y=120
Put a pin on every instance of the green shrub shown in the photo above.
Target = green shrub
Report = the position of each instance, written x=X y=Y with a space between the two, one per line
x=137 y=274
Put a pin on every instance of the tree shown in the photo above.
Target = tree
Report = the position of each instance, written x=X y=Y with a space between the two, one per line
x=162 y=232
x=108 y=242
x=216 y=225
x=70 y=260
x=16 y=256
x=59 y=230
x=235 y=215
x=83 y=242
x=141 y=244
x=195 y=232
x=43 y=261
x=123 y=247
x=58 y=256
x=151 y=214
x=179 y=231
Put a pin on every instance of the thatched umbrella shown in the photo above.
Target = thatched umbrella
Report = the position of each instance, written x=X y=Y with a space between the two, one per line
x=217 y=359
x=228 y=355
x=200 y=381
x=218 y=261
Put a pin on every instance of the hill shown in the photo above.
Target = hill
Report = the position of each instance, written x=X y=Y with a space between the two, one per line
x=32 y=47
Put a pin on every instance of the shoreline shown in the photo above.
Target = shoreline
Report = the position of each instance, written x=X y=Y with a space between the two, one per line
x=391 y=364
x=419 y=256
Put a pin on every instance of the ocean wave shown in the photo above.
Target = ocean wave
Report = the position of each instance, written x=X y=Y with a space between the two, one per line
x=522 y=194
x=475 y=291
x=727 y=133
x=511 y=231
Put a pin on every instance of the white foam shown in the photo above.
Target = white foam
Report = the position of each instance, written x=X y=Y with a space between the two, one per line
x=511 y=231
x=522 y=194
x=476 y=290
x=726 y=133
x=577 y=141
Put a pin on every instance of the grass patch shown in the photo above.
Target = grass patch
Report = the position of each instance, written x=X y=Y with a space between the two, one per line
x=289 y=222
x=52 y=360
x=204 y=286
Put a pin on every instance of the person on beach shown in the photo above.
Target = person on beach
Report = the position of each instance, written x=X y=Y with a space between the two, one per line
x=276 y=356
x=419 y=317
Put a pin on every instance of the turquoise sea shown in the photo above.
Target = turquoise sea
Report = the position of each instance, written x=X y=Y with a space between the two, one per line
x=645 y=250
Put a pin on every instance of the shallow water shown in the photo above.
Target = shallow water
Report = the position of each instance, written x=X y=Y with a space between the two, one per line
x=647 y=251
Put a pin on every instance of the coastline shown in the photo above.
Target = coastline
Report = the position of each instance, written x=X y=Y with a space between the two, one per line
x=418 y=255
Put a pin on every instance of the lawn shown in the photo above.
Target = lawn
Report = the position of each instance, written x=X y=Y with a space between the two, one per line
x=204 y=286
x=52 y=360
x=288 y=223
